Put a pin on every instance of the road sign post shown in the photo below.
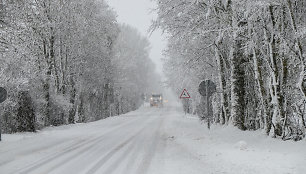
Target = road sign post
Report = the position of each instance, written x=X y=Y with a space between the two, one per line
x=3 y=96
x=207 y=88
x=185 y=96
x=208 y=108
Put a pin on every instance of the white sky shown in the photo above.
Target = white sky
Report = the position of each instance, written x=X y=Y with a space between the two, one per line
x=138 y=13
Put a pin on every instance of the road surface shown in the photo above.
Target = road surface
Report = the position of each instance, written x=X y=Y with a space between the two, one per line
x=147 y=141
x=127 y=144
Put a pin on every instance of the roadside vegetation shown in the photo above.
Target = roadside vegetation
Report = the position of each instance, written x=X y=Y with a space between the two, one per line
x=69 y=61
x=253 y=50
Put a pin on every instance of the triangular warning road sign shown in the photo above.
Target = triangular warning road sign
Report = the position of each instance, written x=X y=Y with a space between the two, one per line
x=185 y=94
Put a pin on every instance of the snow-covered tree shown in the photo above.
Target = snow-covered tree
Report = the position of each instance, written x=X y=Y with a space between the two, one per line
x=255 y=51
x=60 y=58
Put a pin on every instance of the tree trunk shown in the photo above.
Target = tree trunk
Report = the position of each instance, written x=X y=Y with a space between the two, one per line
x=53 y=60
x=275 y=89
x=72 y=112
x=223 y=85
x=46 y=86
x=261 y=91
x=302 y=83
x=237 y=86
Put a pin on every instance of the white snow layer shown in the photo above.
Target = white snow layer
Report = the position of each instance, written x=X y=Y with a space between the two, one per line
x=149 y=141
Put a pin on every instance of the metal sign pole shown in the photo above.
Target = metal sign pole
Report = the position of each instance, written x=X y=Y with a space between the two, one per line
x=207 y=106
x=185 y=96
x=206 y=89
x=185 y=108
x=0 y=128
x=3 y=95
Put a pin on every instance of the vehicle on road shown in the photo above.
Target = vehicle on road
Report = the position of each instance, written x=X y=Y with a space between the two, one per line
x=156 y=100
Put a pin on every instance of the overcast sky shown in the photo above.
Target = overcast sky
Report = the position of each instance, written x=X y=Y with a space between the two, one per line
x=138 y=13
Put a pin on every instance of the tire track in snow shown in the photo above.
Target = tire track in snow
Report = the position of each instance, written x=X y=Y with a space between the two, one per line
x=131 y=161
x=39 y=163
x=54 y=145
x=103 y=160
x=15 y=146
x=135 y=152
x=151 y=150
x=67 y=159
x=125 y=155
x=132 y=151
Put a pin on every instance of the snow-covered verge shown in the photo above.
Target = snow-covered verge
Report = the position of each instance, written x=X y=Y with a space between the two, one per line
x=229 y=150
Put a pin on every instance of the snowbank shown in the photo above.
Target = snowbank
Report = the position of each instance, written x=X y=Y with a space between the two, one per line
x=229 y=150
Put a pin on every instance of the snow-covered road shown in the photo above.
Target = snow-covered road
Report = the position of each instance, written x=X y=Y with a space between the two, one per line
x=148 y=141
